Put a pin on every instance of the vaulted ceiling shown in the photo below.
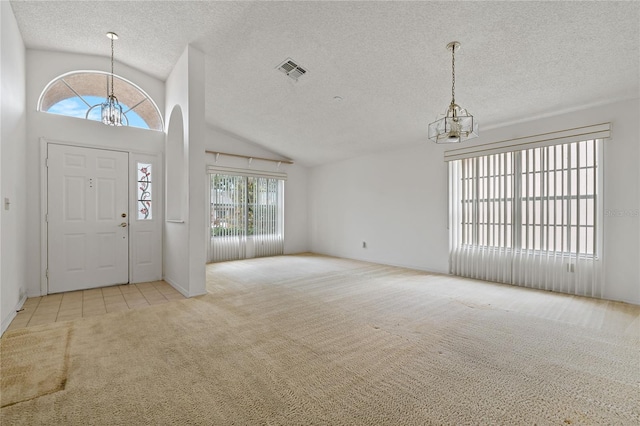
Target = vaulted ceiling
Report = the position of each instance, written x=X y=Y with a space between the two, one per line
x=387 y=61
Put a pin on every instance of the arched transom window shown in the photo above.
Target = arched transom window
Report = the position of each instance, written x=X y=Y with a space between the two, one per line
x=75 y=93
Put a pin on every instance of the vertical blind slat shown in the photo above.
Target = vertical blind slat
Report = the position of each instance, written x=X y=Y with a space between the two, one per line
x=595 y=217
x=577 y=269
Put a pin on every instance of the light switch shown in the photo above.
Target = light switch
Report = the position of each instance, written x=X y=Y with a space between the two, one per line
x=7 y=203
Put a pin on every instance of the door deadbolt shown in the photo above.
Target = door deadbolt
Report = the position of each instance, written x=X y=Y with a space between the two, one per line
x=123 y=215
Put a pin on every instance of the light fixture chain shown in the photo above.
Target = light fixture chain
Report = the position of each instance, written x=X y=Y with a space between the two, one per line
x=112 y=67
x=453 y=74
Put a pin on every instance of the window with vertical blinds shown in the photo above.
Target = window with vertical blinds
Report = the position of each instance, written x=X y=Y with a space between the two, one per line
x=246 y=217
x=529 y=217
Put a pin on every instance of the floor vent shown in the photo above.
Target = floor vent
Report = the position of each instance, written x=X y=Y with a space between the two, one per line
x=293 y=70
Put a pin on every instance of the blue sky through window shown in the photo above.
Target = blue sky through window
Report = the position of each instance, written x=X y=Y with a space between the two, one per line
x=74 y=107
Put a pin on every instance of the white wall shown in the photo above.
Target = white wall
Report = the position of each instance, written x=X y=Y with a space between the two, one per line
x=184 y=245
x=13 y=175
x=393 y=201
x=396 y=200
x=295 y=188
x=42 y=67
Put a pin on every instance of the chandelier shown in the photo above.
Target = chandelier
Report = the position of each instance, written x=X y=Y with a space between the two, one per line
x=110 y=110
x=456 y=125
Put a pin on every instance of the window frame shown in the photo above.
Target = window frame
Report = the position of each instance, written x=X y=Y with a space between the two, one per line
x=470 y=224
x=146 y=97
x=141 y=190
x=243 y=203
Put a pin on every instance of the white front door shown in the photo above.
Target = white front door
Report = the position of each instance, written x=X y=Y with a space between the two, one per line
x=87 y=218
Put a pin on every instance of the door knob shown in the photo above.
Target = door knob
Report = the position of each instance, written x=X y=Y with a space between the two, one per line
x=123 y=224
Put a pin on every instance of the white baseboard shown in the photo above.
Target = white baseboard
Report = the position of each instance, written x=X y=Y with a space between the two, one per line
x=386 y=263
x=177 y=286
x=12 y=314
x=32 y=294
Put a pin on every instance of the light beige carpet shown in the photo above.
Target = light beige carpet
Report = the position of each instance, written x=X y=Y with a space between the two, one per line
x=33 y=363
x=313 y=340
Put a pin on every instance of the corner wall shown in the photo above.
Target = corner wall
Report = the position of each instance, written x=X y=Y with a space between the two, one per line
x=396 y=201
x=13 y=175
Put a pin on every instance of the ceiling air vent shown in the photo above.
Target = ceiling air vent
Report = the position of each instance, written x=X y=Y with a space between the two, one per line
x=292 y=69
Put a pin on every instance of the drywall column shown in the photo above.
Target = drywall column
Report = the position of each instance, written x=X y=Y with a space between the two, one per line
x=184 y=244
x=13 y=253
x=197 y=189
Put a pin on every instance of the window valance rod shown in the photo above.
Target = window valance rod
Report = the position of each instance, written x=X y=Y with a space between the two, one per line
x=576 y=134
x=249 y=157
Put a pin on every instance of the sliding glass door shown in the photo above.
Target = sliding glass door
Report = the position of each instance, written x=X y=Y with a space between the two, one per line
x=246 y=217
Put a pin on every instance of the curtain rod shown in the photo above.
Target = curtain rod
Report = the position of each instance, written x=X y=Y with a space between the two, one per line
x=249 y=157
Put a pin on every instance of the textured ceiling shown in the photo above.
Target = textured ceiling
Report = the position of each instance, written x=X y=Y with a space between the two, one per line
x=387 y=60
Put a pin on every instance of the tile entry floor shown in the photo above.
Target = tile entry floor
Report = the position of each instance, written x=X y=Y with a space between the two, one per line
x=96 y=301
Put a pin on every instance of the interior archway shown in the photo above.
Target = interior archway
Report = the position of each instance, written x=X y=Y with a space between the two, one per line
x=176 y=170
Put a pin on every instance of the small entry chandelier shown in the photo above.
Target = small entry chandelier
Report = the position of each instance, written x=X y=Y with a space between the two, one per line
x=110 y=110
x=456 y=125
